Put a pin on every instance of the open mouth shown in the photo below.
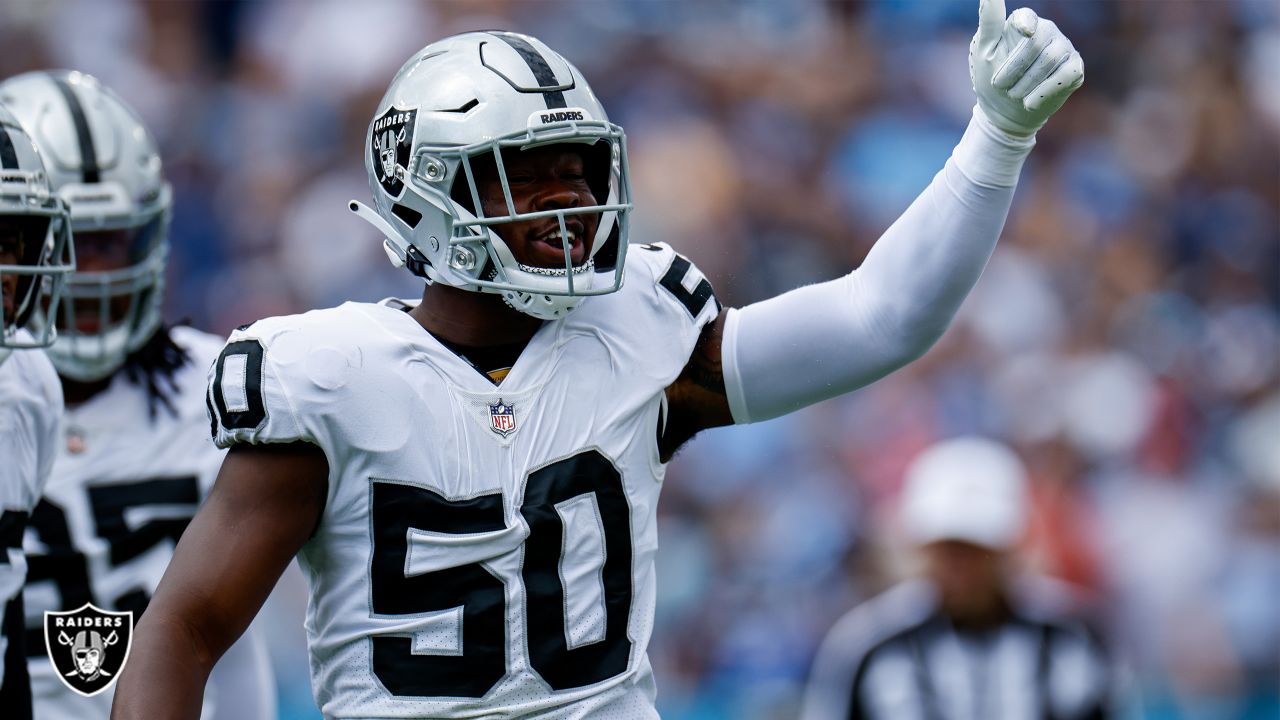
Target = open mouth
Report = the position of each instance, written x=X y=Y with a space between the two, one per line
x=548 y=248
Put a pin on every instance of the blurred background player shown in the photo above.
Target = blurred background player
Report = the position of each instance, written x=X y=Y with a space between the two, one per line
x=135 y=457
x=35 y=258
x=968 y=639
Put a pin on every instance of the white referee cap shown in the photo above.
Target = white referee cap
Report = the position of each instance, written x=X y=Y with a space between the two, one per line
x=970 y=489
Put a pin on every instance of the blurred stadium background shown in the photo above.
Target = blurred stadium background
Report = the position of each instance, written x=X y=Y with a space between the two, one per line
x=1125 y=338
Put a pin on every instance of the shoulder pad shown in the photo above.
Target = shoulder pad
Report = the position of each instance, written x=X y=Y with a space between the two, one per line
x=680 y=280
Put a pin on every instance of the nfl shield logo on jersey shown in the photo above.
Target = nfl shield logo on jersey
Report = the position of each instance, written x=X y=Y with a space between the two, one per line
x=88 y=647
x=502 y=418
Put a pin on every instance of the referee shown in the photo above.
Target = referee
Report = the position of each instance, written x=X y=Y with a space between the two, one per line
x=967 y=640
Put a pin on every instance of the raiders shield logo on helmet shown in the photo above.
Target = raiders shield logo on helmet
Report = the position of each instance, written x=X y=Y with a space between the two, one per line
x=390 y=141
x=88 y=647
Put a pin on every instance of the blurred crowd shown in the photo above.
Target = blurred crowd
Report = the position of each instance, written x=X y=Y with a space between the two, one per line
x=1125 y=338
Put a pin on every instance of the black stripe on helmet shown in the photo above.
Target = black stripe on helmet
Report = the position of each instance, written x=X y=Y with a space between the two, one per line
x=88 y=154
x=8 y=153
x=542 y=71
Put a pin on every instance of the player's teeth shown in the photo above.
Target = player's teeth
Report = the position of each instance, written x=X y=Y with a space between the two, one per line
x=554 y=237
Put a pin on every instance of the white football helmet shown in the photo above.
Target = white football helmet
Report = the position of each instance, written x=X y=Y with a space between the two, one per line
x=36 y=253
x=466 y=98
x=105 y=165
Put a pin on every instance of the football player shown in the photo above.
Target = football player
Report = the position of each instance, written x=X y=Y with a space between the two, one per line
x=471 y=481
x=135 y=457
x=35 y=257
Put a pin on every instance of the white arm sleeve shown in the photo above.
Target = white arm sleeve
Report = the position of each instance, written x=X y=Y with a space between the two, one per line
x=824 y=340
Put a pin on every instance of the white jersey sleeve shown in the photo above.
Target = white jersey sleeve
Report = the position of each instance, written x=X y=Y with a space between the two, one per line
x=30 y=417
x=30 y=413
x=671 y=280
x=248 y=398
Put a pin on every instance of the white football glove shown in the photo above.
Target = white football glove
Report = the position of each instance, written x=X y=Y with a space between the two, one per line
x=1022 y=67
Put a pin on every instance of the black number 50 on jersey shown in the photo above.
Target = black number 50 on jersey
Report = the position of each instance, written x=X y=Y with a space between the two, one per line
x=483 y=663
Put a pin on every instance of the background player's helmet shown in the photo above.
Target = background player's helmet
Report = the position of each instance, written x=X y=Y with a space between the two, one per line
x=456 y=103
x=35 y=233
x=105 y=165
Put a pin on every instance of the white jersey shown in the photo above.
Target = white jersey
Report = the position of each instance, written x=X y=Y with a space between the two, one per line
x=485 y=551
x=30 y=407
x=125 y=484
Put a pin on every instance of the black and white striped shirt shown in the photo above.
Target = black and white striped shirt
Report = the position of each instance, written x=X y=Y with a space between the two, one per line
x=898 y=658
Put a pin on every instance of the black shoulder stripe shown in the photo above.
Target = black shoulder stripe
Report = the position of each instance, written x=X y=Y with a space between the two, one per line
x=88 y=154
x=8 y=154
x=542 y=72
x=673 y=281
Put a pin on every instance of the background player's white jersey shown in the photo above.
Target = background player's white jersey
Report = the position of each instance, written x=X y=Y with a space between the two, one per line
x=124 y=486
x=484 y=551
x=30 y=407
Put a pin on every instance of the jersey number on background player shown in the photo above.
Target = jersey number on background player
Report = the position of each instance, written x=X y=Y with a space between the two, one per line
x=169 y=503
x=399 y=508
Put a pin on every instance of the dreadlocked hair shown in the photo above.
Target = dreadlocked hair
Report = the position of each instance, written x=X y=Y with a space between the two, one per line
x=154 y=365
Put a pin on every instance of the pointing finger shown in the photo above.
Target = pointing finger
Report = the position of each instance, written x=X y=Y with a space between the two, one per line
x=990 y=22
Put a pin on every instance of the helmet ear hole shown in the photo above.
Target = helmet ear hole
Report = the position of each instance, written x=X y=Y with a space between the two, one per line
x=410 y=216
x=482 y=166
x=597 y=160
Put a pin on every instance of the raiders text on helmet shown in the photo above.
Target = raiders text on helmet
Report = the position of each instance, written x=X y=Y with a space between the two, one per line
x=36 y=253
x=462 y=100
x=105 y=165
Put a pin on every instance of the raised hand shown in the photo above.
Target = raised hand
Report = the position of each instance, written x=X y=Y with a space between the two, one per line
x=1022 y=67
